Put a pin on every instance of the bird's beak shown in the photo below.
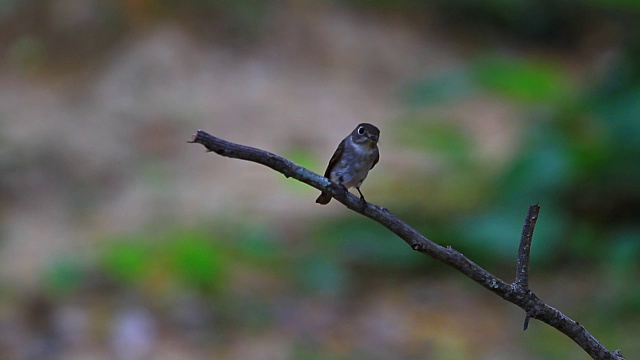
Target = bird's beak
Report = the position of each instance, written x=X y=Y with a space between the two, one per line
x=373 y=137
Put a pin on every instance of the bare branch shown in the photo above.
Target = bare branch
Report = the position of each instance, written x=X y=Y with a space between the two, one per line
x=524 y=251
x=522 y=273
x=518 y=295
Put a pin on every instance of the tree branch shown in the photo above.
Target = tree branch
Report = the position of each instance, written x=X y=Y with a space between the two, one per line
x=522 y=273
x=522 y=270
x=516 y=293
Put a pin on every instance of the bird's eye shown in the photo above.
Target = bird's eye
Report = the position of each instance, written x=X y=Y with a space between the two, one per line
x=361 y=130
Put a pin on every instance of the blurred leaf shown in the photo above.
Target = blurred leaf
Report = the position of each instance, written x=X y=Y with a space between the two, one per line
x=196 y=260
x=438 y=137
x=363 y=242
x=544 y=343
x=543 y=167
x=322 y=274
x=450 y=86
x=492 y=235
x=64 y=275
x=495 y=234
x=126 y=261
x=590 y=146
x=585 y=241
x=625 y=253
x=257 y=244
x=305 y=158
x=620 y=115
x=528 y=81
x=301 y=156
x=523 y=81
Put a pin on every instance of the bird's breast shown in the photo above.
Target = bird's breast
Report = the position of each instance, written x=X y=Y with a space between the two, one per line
x=354 y=165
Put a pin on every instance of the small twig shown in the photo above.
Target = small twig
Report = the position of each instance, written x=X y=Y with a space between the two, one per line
x=517 y=295
x=526 y=322
x=524 y=252
x=522 y=272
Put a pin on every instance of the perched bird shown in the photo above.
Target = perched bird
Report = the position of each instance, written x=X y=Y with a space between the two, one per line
x=352 y=160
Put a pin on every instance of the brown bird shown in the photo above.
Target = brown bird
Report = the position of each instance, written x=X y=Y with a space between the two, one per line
x=355 y=156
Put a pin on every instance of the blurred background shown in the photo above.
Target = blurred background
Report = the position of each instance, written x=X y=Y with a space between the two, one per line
x=118 y=240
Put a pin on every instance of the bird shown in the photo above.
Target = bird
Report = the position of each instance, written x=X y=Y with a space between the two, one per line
x=355 y=156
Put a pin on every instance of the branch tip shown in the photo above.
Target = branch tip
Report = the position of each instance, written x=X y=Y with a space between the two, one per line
x=526 y=322
x=524 y=251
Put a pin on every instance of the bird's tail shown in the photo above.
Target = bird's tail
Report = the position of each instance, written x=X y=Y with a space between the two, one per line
x=323 y=199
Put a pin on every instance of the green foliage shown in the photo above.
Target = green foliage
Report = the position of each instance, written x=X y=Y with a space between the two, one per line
x=542 y=168
x=257 y=245
x=360 y=241
x=578 y=156
x=201 y=259
x=195 y=260
x=338 y=248
x=304 y=157
x=452 y=85
x=625 y=252
x=322 y=274
x=186 y=257
x=517 y=80
x=127 y=261
x=524 y=81
x=64 y=276
x=494 y=234
x=441 y=138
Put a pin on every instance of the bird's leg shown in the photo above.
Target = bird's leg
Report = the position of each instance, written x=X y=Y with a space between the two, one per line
x=362 y=200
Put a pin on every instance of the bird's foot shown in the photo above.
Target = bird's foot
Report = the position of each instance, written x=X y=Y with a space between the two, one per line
x=363 y=203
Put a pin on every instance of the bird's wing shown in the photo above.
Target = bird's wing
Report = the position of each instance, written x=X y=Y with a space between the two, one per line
x=375 y=161
x=334 y=159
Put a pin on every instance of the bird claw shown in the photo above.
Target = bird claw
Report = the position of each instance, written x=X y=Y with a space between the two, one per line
x=363 y=203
